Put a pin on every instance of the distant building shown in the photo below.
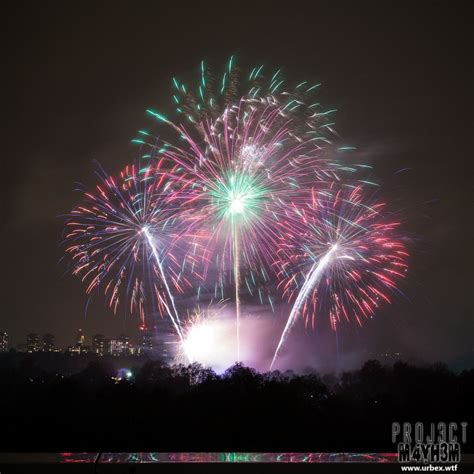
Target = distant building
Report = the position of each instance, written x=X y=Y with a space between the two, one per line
x=33 y=343
x=79 y=347
x=126 y=344
x=99 y=344
x=168 y=352
x=391 y=354
x=164 y=350
x=162 y=345
x=135 y=349
x=74 y=349
x=165 y=345
x=146 y=342
x=125 y=339
x=118 y=347
x=48 y=343
x=3 y=341
x=80 y=338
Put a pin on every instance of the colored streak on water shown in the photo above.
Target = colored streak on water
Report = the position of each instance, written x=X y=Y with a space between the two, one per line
x=248 y=458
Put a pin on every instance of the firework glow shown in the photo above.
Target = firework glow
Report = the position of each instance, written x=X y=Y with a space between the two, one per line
x=209 y=338
x=251 y=200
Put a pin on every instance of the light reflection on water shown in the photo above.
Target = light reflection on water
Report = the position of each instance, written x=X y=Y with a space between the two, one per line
x=248 y=458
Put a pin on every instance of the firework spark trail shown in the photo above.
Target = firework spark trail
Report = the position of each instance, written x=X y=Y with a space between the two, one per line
x=237 y=286
x=175 y=320
x=312 y=280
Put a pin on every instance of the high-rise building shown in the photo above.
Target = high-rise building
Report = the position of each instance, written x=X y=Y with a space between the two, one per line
x=99 y=344
x=165 y=344
x=48 y=343
x=80 y=338
x=79 y=347
x=168 y=351
x=124 y=338
x=33 y=343
x=146 y=342
x=3 y=341
x=118 y=347
x=126 y=343
x=162 y=345
x=74 y=349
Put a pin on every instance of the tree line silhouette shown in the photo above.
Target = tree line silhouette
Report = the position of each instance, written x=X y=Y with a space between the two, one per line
x=191 y=408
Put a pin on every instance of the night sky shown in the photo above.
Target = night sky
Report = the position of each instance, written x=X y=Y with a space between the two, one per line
x=400 y=74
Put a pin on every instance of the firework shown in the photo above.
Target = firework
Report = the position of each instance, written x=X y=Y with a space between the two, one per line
x=343 y=259
x=121 y=235
x=245 y=159
x=249 y=190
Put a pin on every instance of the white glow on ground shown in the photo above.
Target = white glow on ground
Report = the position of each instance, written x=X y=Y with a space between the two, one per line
x=212 y=340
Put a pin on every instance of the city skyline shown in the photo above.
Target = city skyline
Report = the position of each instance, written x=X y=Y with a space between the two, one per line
x=98 y=344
